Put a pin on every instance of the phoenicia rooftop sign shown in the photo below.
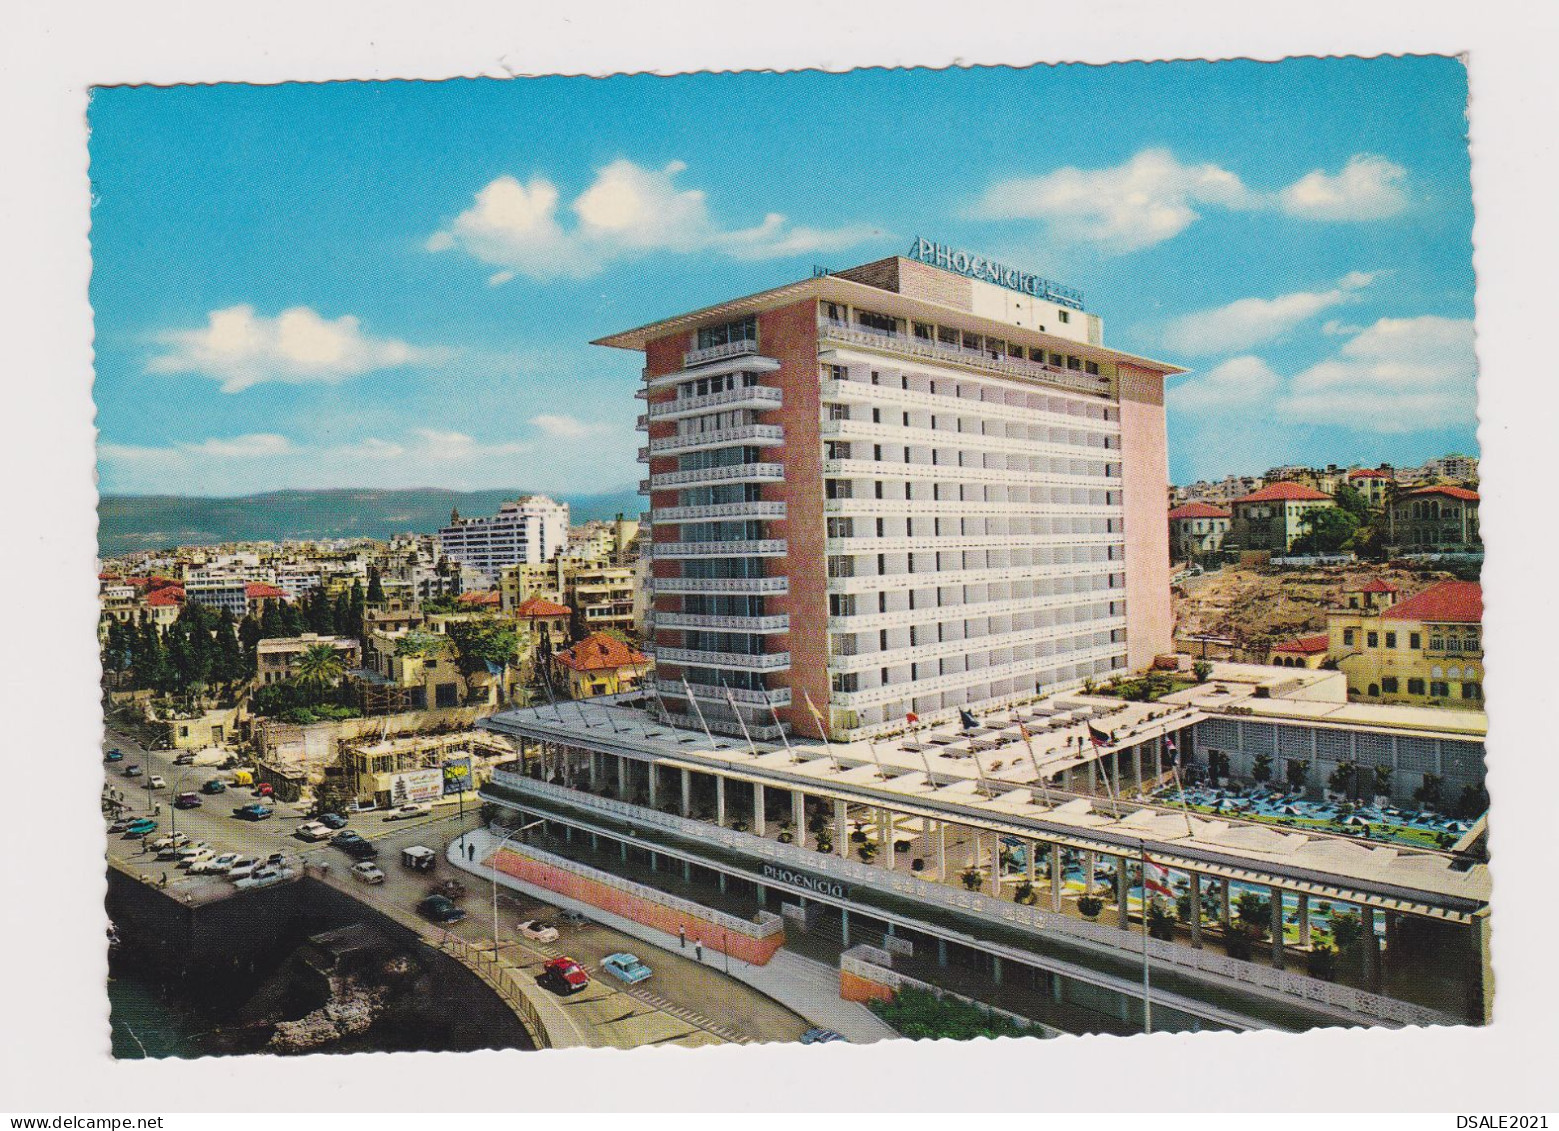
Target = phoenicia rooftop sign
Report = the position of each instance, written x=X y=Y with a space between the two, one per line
x=973 y=266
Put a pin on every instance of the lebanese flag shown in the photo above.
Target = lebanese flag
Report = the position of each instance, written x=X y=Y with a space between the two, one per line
x=912 y=719
x=1097 y=736
x=1173 y=751
x=1155 y=878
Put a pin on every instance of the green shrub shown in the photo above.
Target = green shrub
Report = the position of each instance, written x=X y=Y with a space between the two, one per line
x=918 y=1013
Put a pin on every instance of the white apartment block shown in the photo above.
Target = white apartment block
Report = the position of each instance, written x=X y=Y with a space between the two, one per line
x=523 y=532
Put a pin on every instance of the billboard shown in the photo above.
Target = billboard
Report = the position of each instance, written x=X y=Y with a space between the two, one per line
x=416 y=785
x=457 y=776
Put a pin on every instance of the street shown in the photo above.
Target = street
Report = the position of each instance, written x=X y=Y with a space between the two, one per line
x=682 y=998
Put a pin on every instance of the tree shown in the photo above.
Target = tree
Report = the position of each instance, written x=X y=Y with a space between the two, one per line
x=1353 y=501
x=1347 y=929
x=1383 y=782
x=1217 y=765
x=1161 y=924
x=249 y=635
x=1343 y=779
x=1089 y=906
x=1473 y=802
x=319 y=668
x=271 y=623
x=1428 y=794
x=483 y=642
x=1201 y=669
x=1261 y=768
x=1326 y=530
x=375 y=594
x=1298 y=773
x=1253 y=913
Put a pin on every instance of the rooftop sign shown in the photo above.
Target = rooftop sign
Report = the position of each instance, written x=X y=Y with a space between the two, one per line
x=973 y=266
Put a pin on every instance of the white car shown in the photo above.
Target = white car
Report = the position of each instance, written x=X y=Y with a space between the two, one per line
x=412 y=809
x=214 y=865
x=537 y=931
x=242 y=868
x=313 y=830
x=190 y=851
x=172 y=840
x=196 y=860
x=368 y=872
x=156 y=782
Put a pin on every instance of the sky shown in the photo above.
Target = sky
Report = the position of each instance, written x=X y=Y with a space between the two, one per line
x=395 y=284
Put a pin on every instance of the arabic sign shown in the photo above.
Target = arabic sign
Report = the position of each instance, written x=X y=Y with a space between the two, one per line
x=457 y=776
x=416 y=785
x=973 y=266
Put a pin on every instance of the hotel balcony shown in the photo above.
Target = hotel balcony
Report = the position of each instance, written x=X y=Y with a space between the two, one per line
x=931 y=543
x=773 y=697
x=733 y=357
x=941 y=353
x=873 y=696
x=719 y=353
x=752 y=548
x=779 y=623
x=949 y=473
x=864 y=392
x=865 y=431
x=871 y=583
x=769 y=586
x=755 y=508
x=736 y=661
x=763 y=398
x=1031 y=638
x=751 y=435
x=873 y=621
x=942 y=508
x=708 y=476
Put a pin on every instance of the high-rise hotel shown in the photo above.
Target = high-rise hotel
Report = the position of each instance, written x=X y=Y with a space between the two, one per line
x=916 y=485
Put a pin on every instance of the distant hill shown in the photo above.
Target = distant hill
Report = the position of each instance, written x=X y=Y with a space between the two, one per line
x=146 y=522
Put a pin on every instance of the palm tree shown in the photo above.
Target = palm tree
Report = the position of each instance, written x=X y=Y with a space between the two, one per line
x=318 y=668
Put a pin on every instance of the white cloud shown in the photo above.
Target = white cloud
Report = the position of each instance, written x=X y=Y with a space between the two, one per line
x=1368 y=188
x=1399 y=375
x=1249 y=322
x=1239 y=383
x=627 y=210
x=566 y=427
x=1153 y=196
x=254 y=445
x=240 y=349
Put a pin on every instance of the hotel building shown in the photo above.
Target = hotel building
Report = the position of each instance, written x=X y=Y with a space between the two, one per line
x=525 y=532
x=917 y=485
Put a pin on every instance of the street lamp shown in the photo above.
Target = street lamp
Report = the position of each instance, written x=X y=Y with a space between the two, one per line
x=493 y=865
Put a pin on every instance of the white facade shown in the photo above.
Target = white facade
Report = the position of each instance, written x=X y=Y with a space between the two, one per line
x=526 y=532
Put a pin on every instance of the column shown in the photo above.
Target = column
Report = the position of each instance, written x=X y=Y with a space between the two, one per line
x=941 y=852
x=1090 y=866
x=841 y=829
x=1158 y=760
x=1196 y=908
x=651 y=768
x=1093 y=774
x=1225 y=908
x=622 y=779
x=760 y=824
x=1057 y=876
x=1370 y=950
x=941 y=951
x=1136 y=765
x=1276 y=895
x=1122 y=891
x=720 y=800
x=687 y=792
x=687 y=871
x=798 y=816
x=622 y=850
x=996 y=866
x=844 y=927
x=1030 y=850
x=996 y=968
x=595 y=772
x=1304 y=919
x=885 y=838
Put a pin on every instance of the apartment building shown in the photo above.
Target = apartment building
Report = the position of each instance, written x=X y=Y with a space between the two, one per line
x=276 y=657
x=530 y=529
x=1273 y=517
x=1197 y=530
x=918 y=485
x=1435 y=520
x=1426 y=650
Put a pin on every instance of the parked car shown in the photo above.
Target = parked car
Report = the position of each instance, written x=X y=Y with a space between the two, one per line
x=449 y=889
x=572 y=917
x=411 y=809
x=119 y=824
x=172 y=840
x=242 y=868
x=140 y=827
x=332 y=820
x=564 y=975
x=537 y=931
x=419 y=858
x=133 y=771
x=114 y=755
x=265 y=789
x=187 y=801
x=156 y=782
x=626 y=967
x=191 y=851
x=197 y=861
x=254 y=811
x=312 y=830
x=214 y=865
x=368 y=872
x=820 y=1036
x=213 y=786
x=171 y=851
x=185 y=759
x=440 y=910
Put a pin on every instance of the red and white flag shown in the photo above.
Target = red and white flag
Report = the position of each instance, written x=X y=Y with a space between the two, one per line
x=1155 y=878
x=912 y=719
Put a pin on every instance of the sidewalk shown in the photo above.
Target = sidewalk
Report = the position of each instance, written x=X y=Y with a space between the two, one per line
x=800 y=984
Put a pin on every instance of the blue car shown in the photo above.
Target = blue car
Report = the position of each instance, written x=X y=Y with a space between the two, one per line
x=114 y=755
x=140 y=828
x=254 y=812
x=626 y=968
x=820 y=1036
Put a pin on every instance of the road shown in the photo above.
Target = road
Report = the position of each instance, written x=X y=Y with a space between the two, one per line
x=685 y=997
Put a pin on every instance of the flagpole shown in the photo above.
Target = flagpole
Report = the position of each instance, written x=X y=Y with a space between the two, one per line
x=697 y=710
x=1028 y=742
x=1174 y=769
x=730 y=700
x=1147 y=985
x=821 y=729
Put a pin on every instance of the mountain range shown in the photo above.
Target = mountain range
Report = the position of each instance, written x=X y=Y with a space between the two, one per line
x=127 y=523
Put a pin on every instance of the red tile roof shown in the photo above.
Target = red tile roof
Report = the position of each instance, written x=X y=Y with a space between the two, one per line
x=260 y=591
x=167 y=595
x=480 y=597
x=1198 y=510
x=1307 y=645
x=1377 y=585
x=1441 y=489
x=1285 y=492
x=1450 y=602
x=1368 y=473
x=537 y=606
x=600 y=652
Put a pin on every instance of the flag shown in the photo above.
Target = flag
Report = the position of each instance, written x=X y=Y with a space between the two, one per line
x=1155 y=878
x=1173 y=751
x=1024 y=731
x=912 y=719
x=1097 y=736
x=968 y=721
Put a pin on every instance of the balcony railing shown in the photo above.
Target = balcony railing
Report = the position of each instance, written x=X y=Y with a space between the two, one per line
x=753 y=508
x=780 y=623
x=733 y=473
x=748 y=548
x=719 y=353
x=773 y=697
x=958 y=355
x=757 y=585
x=736 y=661
x=755 y=435
x=764 y=398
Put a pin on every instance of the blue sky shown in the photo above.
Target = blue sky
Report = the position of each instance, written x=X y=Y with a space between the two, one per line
x=395 y=284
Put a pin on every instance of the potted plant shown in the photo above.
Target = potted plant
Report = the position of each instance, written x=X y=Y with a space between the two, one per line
x=1089 y=906
x=1322 y=962
x=972 y=878
x=867 y=852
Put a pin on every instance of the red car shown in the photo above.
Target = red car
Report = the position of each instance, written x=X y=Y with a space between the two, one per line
x=264 y=790
x=565 y=975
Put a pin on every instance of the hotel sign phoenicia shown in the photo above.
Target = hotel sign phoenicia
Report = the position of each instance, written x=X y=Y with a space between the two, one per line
x=805 y=882
x=973 y=266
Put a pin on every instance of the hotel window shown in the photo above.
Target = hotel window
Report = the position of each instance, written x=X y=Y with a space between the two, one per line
x=1347 y=637
x=925 y=331
x=841 y=528
x=839 y=412
x=1092 y=367
x=882 y=323
x=1472 y=691
x=1439 y=690
x=1415 y=687
x=1391 y=640
x=1388 y=684
x=846 y=681
x=1415 y=640
x=1437 y=644
x=1372 y=640
x=1065 y=315
x=740 y=330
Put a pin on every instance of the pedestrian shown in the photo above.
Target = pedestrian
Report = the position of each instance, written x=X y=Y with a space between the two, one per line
x=698 y=950
x=682 y=937
x=470 y=852
x=165 y=879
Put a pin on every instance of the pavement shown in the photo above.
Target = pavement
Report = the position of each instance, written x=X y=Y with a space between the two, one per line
x=801 y=984
x=688 y=1004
